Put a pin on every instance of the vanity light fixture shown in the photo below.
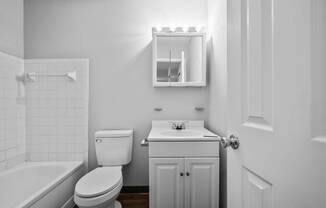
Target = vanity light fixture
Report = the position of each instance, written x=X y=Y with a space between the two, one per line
x=166 y=29
x=192 y=29
x=177 y=29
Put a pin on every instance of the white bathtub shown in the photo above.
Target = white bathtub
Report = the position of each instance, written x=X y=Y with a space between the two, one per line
x=40 y=184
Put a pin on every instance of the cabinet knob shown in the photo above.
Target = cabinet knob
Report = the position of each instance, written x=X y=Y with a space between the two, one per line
x=188 y=174
x=181 y=174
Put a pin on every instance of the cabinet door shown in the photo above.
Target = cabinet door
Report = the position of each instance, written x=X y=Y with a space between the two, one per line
x=202 y=182
x=166 y=182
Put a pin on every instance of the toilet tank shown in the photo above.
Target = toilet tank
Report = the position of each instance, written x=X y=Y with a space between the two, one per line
x=113 y=147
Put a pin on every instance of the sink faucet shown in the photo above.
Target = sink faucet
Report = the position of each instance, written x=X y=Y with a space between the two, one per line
x=178 y=126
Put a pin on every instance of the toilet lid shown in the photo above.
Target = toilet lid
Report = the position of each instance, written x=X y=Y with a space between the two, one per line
x=99 y=181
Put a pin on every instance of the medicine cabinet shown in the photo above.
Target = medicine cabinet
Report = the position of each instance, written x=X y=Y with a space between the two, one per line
x=179 y=59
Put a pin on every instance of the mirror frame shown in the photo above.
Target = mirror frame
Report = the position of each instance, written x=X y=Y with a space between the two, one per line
x=179 y=84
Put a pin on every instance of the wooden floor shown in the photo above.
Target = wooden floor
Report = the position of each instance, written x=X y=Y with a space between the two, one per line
x=133 y=200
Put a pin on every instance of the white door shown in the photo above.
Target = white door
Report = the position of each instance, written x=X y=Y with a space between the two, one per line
x=201 y=186
x=277 y=103
x=166 y=182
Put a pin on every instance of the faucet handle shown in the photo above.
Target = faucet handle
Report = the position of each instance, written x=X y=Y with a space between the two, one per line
x=178 y=125
x=174 y=125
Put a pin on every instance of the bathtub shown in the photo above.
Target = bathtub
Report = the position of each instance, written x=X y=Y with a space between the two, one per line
x=40 y=185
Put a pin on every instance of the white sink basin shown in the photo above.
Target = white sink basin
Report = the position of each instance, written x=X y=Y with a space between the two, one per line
x=181 y=133
x=194 y=132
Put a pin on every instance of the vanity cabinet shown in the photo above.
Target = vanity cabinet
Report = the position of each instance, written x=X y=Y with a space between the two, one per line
x=183 y=166
x=201 y=182
x=184 y=182
x=167 y=185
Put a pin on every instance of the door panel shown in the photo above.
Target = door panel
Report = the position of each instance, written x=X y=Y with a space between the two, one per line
x=202 y=182
x=318 y=127
x=257 y=68
x=257 y=192
x=276 y=67
x=166 y=183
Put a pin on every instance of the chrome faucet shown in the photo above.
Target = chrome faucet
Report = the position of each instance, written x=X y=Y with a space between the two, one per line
x=178 y=126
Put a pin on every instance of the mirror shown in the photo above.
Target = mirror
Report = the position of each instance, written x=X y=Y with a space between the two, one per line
x=179 y=60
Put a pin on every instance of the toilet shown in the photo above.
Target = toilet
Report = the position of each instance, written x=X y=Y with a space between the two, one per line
x=100 y=187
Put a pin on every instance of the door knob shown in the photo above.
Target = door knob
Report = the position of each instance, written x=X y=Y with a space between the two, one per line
x=232 y=141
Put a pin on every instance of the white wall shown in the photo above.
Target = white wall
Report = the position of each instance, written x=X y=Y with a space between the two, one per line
x=57 y=111
x=217 y=67
x=12 y=27
x=116 y=36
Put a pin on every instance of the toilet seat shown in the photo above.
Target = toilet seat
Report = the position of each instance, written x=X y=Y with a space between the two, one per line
x=98 y=201
x=98 y=182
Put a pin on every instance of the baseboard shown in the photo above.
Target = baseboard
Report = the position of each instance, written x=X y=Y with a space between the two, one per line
x=135 y=189
x=70 y=203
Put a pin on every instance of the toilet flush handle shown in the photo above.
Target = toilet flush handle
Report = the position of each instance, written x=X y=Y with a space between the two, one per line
x=98 y=140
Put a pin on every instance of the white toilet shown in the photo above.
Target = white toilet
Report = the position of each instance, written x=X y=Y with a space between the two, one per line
x=100 y=187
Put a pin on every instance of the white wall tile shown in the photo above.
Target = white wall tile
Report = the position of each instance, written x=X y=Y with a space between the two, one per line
x=12 y=112
x=57 y=111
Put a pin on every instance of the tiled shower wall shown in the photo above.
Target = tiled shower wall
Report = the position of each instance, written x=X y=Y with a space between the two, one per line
x=57 y=111
x=12 y=112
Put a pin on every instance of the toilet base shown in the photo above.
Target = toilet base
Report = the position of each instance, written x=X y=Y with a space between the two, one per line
x=117 y=204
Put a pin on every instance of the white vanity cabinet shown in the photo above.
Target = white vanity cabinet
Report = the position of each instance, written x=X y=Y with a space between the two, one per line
x=167 y=182
x=201 y=182
x=185 y=175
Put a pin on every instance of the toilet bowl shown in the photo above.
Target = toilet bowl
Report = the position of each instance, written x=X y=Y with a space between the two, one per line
x=101 y=187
